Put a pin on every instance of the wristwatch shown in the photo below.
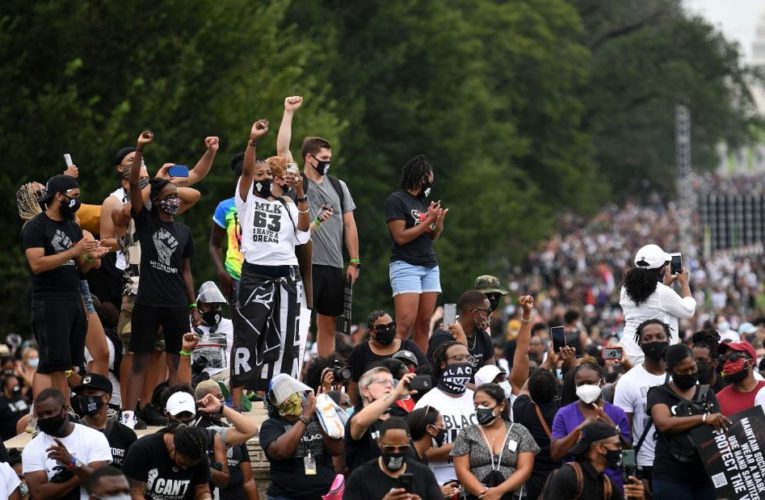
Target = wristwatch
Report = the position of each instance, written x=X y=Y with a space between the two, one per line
x=304 y=419
x=302 y=200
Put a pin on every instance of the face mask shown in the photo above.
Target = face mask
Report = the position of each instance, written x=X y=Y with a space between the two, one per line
x=33 y=362
x=393 y=461
x=86 y=405
x=211 y=318
x=614 y=458
x=507 y=388
x=385 y=334
x=481 y=323
x=485 y=416
x=685 y=381
x=292 y=406
x=321 y=166
x=285 y=189
x=493 y=301
x=350 y=411
x=655 y=350
x=588 y=393
x=53 y=426
x=263 y=188
x=170 y=205
x=16 y=390
x=24 y=490
x=438 y=439
x=735 y=371
x=426 y=187
x=68 y=209
x=706 y=372
x=455 y=377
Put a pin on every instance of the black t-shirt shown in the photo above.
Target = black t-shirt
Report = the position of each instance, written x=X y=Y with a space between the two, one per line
x=120 y=438
x=288 y=477
x=164 y=245
x=665 y=466
x=236 y=456
x=368 y=481
x=148 y=461
x=362 y=356
x=524 y=413
x=401 y=205
x=54 y=237
x=358 y=452
x=479 y=346
x=10 y=413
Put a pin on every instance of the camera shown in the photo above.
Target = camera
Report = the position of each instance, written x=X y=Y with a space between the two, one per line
x=342 y=374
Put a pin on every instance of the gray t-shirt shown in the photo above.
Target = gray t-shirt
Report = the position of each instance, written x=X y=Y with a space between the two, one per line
x=328 y=240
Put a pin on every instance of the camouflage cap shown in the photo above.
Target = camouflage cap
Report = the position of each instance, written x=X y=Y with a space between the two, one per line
x=489 y=284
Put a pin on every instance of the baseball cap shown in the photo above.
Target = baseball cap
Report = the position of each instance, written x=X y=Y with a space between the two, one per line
x=740 y=346
x=486 y=374
x=489 y=284
x=209 y=293
x=181 y=402
x=283 y=386
x=58 y=184
x=747 y=328
x=651 y=257
x=94 y=381
x=592 y=433
x=405 y=355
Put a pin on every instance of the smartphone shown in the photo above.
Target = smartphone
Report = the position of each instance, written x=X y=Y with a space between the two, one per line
x=676 y=264
x=450 y=315
x=68 y=160
x=405 y=481
x=293 y=168
x=559 y=337
x=178 y=171
x=611 y=353
x=421 y=384
x=629 y=465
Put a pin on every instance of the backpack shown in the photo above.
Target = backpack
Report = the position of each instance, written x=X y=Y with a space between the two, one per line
x=607 y=486
x=681 y=445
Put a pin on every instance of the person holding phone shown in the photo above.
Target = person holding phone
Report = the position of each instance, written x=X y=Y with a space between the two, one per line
x=414 y=225
x=393 y=475
x=647 y=294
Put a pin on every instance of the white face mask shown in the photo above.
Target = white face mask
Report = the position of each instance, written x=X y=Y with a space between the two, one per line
x=507 y=388
x=588 y=393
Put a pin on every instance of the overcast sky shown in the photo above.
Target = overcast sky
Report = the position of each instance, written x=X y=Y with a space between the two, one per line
x=736 y=18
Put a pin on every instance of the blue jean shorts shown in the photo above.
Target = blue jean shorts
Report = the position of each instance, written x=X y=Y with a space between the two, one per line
x=407 y=278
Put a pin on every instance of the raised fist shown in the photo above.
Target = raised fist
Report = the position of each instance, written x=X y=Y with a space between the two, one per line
x=292 y=103
x=146 y=137
x=259 y=129
x=212 y=143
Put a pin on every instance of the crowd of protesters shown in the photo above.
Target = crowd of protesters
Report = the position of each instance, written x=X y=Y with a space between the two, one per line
x=476 y=399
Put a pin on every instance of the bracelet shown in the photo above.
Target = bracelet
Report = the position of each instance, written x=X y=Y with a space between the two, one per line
x=524 y=320
x=252 y=143
x=193 y=305
x=304 y=211
x=303 y=199
x=304 y=419
x=184 y=353
x=356 y=261
x=704 y=418
x=317 y=224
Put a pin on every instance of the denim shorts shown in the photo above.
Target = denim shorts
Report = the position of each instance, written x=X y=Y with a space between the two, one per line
x=86 y=297
x=407 y=278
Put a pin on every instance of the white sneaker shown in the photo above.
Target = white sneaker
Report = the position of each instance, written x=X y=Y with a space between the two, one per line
x=128 y=418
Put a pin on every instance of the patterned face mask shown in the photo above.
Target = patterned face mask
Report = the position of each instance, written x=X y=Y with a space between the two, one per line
x=292 y=406
x=170 y=205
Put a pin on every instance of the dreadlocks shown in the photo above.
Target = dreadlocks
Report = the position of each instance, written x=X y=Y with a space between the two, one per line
x=413 y=172
x=26 y=201
x=708 y=339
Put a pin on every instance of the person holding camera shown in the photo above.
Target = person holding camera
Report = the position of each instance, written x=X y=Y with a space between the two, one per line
x=677 y=407
x=378 y=395
x=394 y=475
x=598 y=447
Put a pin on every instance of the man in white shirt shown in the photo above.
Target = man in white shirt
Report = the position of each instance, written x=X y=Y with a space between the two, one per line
x=217 y=332
x=63 y=455
x=632 y=388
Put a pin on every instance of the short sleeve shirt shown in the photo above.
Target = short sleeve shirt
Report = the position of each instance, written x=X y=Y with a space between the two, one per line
x=401 y=205
x=362 y=356
x=328 y=240
x=227 y=218
x=53 y=237
x=479 y=346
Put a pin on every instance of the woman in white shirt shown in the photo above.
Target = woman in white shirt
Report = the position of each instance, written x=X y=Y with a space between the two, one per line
x=266 y=334
x=646 y=294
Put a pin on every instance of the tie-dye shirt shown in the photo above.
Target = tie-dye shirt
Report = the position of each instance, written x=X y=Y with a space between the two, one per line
x=226 y=218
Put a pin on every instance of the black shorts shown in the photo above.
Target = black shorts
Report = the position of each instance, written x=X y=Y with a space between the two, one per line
x=145 y=325
x=328 y=290
x=59 y=326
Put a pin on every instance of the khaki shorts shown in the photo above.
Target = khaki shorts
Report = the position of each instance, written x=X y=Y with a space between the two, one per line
x=124 y=326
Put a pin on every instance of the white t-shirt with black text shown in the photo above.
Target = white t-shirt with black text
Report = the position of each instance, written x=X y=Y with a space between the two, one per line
x=631 y=396
x=85 y=444
x=457 y=413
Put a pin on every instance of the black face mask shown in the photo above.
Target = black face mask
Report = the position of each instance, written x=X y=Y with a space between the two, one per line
x=86 y=405
x=438 y=439
x=54 y=426
x=493 y=301
x=321 y=166
x=393 y=461
x=614 y=458
x=263 y=188
x=211 y=318
x=686 y=381
x=385 y=334
x=735 y=378
x=485 y=416
x=69 y=208
x=706 y=372
x=426 y=188
x=655 y=350
x=455 y=377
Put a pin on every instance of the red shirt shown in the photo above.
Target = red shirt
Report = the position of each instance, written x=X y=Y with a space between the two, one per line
x=733 y=401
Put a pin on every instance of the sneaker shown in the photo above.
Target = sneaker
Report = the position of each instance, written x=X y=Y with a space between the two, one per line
x=152 y=416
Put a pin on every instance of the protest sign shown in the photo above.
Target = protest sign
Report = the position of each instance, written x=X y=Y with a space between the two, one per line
x=735 y=459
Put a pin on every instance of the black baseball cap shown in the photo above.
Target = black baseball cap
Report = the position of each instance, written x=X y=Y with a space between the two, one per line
x=58 y=184
x=95 y=381
x=592 y=433
x=404 y=355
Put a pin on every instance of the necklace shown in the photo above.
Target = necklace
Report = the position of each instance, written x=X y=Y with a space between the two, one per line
x=475 y=339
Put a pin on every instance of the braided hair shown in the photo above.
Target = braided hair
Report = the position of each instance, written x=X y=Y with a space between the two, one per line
x=413 y=172
x=190 y=441
x=439 y=357
x=708 y=339
x=26 y=202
